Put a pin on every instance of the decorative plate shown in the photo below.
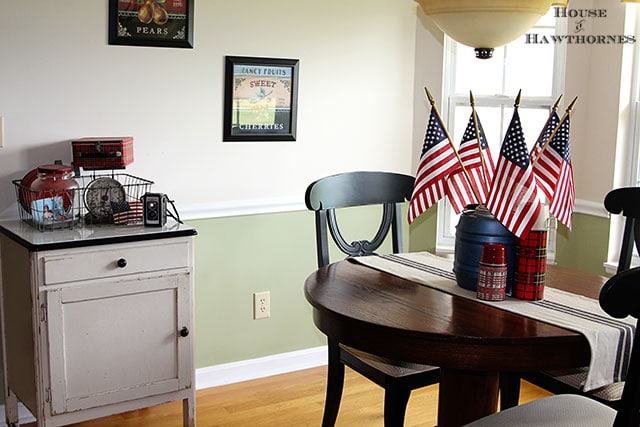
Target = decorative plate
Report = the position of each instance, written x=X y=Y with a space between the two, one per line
x=100 y=194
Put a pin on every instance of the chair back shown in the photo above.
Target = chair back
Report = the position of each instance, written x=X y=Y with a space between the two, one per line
x=626 y=201
x=351 y=189
x=620 y=297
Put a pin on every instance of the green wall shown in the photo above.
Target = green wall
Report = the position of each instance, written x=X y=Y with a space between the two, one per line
x=237 y=256
x=422 y=232
x=585 y=246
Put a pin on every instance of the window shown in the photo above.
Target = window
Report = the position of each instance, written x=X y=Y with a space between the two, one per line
x=628 y=159
x=634 y=117
x=535 y=68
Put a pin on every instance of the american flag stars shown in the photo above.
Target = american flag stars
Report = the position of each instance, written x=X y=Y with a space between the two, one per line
x=561 y=141
x=514 y=147
x=470 y=133
x=434 y=134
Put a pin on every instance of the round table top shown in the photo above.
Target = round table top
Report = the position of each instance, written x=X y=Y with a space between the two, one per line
x=390 y=316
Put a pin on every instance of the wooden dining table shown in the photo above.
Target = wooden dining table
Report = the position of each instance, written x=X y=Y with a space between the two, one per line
x=471 y=342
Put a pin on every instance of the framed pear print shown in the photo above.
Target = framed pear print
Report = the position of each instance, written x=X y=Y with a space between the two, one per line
x=160 y=23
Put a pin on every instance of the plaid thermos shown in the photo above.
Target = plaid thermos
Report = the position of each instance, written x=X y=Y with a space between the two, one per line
x=531 y=262
x=492 y=272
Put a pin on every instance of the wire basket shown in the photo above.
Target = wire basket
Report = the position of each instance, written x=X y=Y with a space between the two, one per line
x=48 y=210
x=99 y=199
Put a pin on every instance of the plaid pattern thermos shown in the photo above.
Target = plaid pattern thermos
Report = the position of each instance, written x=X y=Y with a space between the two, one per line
x=531 y=261
x=492 y=272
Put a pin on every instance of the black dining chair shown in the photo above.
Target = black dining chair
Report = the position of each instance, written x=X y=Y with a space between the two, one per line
x=625 y=201
x=346 y=190
x=619 y=297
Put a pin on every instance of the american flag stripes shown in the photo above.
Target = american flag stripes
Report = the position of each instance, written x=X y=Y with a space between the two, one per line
x=458 y=187
x=513 y=198
x=554 y=174
x=127 y=212
x=437 y=161
x=545 y=135
x=544 y=184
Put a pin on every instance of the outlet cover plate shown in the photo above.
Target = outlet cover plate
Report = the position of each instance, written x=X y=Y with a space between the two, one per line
x=261 y=305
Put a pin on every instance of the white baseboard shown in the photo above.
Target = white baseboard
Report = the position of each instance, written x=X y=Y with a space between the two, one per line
x=245 y=370
x=234 y=372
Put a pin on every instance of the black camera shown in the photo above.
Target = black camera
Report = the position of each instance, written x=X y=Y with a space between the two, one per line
x=154 y=209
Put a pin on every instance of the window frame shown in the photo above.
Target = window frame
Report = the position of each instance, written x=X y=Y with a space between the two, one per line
x=628 y=166
x=445 y=240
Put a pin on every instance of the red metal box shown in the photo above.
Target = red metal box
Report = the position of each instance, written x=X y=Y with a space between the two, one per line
x=103 y=153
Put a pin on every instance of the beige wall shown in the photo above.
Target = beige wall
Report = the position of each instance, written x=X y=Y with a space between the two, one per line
x=594 y=74
x=363 y=66
x=60 y=80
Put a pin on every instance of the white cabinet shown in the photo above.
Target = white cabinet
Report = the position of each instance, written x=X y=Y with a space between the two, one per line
x=95 y=329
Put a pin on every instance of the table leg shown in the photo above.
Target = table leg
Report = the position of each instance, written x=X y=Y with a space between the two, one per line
x=465 y=396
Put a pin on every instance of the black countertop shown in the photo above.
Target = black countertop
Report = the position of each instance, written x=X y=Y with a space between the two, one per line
x=80 y=236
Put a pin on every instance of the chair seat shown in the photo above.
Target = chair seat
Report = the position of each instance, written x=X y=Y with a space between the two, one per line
x=576 y=377
x=392 y=368
x=563 y=410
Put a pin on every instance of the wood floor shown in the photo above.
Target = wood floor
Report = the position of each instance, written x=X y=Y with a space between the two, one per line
x=294 y=399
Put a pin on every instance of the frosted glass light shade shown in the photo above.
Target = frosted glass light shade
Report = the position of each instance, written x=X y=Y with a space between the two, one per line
x=485 y=24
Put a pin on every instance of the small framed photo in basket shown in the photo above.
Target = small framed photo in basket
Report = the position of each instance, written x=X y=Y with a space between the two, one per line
x=50 y=212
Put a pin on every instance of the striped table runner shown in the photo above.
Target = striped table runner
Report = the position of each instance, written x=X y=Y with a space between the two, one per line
x=610 y=339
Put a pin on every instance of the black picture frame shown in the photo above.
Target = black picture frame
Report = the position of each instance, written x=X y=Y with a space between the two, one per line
x=137 y=23
x=260 y=99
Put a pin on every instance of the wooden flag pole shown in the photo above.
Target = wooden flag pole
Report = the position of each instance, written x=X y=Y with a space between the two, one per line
x=564 y=117
x=553 y=110
x=446 y=132
x=485 y=178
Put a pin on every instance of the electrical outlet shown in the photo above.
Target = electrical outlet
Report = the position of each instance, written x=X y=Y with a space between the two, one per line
x=261 y=305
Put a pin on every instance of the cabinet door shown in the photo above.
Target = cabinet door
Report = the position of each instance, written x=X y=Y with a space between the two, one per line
x=116 y=341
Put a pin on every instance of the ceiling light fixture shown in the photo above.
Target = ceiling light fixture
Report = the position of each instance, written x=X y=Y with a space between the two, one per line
x=486 y=24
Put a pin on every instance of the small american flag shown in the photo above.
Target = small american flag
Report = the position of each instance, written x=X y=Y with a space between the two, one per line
x=457 y=187
x=545 y=134
x=543 y=181
x=126 y=212
x=513 y=197
x=437 y=161
x=554 y=173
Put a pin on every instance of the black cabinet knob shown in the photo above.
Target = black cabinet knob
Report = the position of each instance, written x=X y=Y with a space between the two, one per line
x=184 y=331
x=122 y=263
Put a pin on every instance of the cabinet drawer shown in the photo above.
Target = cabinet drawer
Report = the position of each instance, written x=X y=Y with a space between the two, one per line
x=113 y=260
